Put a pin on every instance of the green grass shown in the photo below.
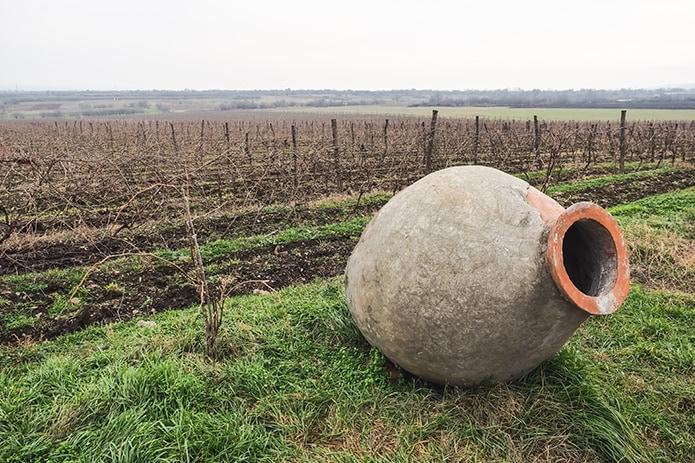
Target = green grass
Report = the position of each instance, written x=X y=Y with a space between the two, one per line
x=39 y=281
x=603 y=180
x=217 y=248
x=31 y=286
x=62 y=305
x=567 y=171
x=16 y=319
x=660 y=233
x=662 y=211
x=646 y=355
x=298 y=383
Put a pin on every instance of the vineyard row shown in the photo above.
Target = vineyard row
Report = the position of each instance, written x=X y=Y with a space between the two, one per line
x=49 y=168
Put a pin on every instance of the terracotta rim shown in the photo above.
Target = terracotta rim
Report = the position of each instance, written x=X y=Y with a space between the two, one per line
x=604 y=252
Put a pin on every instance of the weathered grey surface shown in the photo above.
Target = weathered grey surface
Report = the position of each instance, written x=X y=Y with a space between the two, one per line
x=449 y=280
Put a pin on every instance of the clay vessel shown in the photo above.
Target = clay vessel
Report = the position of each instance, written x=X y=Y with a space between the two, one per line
x=472 y=275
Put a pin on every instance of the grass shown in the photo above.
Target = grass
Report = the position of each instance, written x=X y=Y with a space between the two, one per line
x=298 y=383
x=603 y=180
x=646 y=352
x=31 y=287
x=39 y=281
x=62 y=304
x=17 y=319
x=217 y=248
x=672 y=210
x=660 y=233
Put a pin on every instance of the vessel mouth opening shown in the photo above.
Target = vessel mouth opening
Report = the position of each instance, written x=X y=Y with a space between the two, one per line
x=589 y=255
x=588 y=260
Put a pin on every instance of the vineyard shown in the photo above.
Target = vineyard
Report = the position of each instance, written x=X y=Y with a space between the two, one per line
x=69 y=173
x=98 y=223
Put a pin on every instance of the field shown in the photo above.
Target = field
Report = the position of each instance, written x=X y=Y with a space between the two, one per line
x=102 y=344
x=549 y=114
x=584 y=105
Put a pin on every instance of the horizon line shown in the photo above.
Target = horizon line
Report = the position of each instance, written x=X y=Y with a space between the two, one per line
x=504 y=89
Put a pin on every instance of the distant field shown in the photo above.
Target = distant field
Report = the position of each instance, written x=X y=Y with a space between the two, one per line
x=303 y=104
x=549 y=114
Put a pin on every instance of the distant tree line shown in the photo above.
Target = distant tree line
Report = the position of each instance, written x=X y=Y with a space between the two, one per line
x=322 y=102
x=586 y=98
x=662 y=98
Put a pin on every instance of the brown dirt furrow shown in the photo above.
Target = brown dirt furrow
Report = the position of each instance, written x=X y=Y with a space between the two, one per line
x=114 y=296
x=45 y=254
x=628 y=191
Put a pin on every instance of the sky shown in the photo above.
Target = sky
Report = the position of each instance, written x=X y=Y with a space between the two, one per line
x=355 y=44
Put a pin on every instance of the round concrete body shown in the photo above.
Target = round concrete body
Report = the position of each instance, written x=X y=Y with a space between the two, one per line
x=472 y=275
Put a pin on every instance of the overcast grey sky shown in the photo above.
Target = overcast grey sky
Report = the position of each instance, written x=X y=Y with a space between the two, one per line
x=355 y=44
